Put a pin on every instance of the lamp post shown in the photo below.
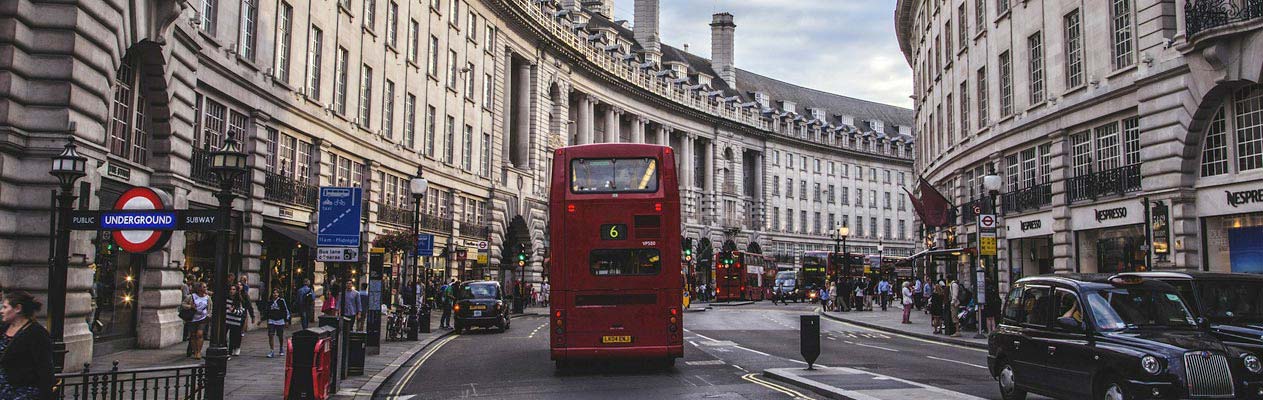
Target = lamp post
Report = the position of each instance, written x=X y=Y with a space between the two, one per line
x=881 y=262
x=68 y=167
x=418 y=185
x=228 y=163
x=990 y=185
x=839 y=239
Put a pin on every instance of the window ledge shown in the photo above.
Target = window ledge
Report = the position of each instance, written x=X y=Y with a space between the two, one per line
x=1122 y=71
x=369 y=30
x=1036 y=106
x=1002 y=16
x=391 y=48
x=245 y=61
x=1074 y=90
x=963 y=49
x=979 y=34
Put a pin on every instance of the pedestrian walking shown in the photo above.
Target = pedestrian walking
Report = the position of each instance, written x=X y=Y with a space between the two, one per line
x=329 y=306
x=916 y=294
x=277 y=317
x=200 y=302
x=954 y=294
x=927 y=290
x=936 y=309
x=26 y=350
x=350 y=304
x=362 y=318
x=907 y=301
x=831 y=304
x=883 y=293
x=234 y=318
x=306 y=304
x=865 y=294
x=824 y=298
x=546 y=293
x=448 y=295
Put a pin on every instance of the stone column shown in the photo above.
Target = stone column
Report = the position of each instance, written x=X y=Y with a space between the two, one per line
x=708 y=187
x=587 y=124
x=507 y=100
x=759 y=211
x=1063 y=230
x=522 y=141
x=688 y=182
x=638 y=129
x=612 y=117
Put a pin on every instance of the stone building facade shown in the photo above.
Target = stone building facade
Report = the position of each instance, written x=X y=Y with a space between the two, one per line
x=362 y=93
x=1125 y=131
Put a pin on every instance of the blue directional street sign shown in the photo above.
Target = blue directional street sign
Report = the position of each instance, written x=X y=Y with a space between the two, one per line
x=339 y=223
x=425 y=244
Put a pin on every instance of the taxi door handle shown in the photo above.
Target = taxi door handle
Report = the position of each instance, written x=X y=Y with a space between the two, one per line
x=1017 y=344
x=1052 y=350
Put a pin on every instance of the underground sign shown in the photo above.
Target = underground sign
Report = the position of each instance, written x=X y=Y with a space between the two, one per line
x=137 y=227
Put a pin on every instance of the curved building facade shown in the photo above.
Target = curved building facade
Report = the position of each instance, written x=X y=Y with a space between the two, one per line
x=364 y=93
x=1125 y=131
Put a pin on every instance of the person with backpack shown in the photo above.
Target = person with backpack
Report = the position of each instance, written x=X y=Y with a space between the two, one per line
x=306 y=304
x=447 y=298
x=277 y=317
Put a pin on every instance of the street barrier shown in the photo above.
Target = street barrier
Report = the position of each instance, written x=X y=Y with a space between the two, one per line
x=809 y=326
x=179 y=382
x=424 y=321
x=309 y=363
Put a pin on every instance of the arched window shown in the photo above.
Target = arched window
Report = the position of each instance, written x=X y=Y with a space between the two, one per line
x=129 y=125
x=1234 y=136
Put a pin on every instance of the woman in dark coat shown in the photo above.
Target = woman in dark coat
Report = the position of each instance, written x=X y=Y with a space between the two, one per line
x=26 y=351
x=936 y=308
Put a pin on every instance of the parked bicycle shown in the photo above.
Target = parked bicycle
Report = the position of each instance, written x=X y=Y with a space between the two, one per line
x=397 y=323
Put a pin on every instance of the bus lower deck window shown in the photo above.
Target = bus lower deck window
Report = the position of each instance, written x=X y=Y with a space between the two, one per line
x=620 y=262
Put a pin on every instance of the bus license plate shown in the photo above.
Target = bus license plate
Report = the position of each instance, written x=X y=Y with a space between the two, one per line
x=616 y=339
x=477 y=313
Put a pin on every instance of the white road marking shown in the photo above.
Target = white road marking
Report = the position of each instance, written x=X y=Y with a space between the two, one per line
x=869 y=345
x=705 y=362
x=784 y=390
x=413 y=371
x=904 y=336
x=954 y=361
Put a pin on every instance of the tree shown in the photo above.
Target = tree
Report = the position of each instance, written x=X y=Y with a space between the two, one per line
x=395 y=242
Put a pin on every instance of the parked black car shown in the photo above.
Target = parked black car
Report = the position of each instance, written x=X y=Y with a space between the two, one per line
x=480 y=304
x=1232 y=304
x=1097 y=336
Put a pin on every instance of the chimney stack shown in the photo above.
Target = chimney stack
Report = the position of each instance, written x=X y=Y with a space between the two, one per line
x=603 y=7
x=721 y=48
x=646 y=29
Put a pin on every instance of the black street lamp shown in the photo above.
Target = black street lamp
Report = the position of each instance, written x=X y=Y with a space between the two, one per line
x=68 y=167
x=417 y=186
x=839 y=238
x=228 y=163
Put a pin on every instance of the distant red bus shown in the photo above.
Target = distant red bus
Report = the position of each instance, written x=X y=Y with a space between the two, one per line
x=615 y=227
x=740 y=280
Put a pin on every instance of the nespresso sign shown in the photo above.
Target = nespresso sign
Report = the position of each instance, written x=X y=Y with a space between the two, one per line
x=1032 y=224
x=1111 y=213
x=1244 y=197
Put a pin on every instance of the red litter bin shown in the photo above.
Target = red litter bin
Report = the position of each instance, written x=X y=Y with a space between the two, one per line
x=308 y=358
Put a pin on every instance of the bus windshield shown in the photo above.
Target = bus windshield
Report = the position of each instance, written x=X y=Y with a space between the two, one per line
x=785 y=279
x=614 y=175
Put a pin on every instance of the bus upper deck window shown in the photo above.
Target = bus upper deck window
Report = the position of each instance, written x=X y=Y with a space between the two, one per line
x=614 y=175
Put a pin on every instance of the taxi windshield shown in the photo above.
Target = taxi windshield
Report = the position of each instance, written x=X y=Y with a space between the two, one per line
x=614 y=175
x=478 y=291
x=1136 y=307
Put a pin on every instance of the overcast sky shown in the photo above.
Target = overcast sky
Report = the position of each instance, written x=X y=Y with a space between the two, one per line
x=846 y=47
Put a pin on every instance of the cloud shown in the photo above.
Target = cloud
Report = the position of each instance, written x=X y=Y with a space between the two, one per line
x=846 y=47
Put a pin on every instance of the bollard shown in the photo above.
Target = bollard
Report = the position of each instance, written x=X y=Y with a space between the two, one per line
x=809 y=338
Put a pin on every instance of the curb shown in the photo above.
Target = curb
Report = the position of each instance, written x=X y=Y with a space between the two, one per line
x=936 y=338
x=814 y=386
x=375 y=383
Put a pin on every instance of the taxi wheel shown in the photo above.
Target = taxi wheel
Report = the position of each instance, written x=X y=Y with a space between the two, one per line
x=1112 y=390
x=1008 y=385
x=457 y=328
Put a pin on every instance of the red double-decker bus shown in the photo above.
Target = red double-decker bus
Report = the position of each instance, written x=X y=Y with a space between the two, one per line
x=615 y=226
x=739 y=276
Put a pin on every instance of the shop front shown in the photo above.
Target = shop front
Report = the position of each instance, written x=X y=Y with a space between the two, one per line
x=1232 y=227
x=288 y=259
x=1110 y=237
x=1028 y=247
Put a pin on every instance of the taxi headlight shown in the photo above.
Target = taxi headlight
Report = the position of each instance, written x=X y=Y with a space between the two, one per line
x=1151 y=365
x=1252 y=363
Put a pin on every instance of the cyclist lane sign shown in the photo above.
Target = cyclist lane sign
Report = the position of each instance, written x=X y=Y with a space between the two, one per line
x=339 y=221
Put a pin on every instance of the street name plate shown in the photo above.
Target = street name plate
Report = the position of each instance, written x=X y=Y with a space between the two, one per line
x=337 y=254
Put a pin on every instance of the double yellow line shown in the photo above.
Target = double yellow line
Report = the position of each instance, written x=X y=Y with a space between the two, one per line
x=403 y=380
x=753 y=378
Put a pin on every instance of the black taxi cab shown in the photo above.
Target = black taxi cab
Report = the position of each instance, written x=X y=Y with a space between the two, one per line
x=480 y=304
x=1232 y=304
x=1114 y=337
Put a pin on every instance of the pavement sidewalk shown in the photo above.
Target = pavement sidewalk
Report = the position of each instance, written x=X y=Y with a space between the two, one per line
x=853 y=384
x=889 y=321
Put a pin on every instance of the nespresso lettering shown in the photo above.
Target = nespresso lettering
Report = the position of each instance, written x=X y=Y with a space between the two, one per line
x=1028 y=225
x=1244 y=197
x=1111 y=213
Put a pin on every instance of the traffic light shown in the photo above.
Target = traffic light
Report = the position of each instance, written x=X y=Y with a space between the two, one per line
x=521 y=256
x=688 y=249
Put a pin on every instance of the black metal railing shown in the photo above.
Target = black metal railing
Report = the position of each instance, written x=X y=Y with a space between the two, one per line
x=389 y=214
x=200 y=165
x=472 y=230
x=288 y=190
x=436 y=223
x=179 y=382
x=1031 y=198
x=967 y=210
x=1200 y=15
x=1092 y=185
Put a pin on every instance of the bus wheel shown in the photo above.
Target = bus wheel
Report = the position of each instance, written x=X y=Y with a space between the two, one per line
x=667 y=363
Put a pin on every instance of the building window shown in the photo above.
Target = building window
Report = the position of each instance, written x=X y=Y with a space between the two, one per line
x=1107 y=147
x=410 y=121
x=467 y=150
x=776 y=185
x=815 y=192
x=472 y=27
x=846 y=196
x=392 y=27
x=431 y=122
x=1035 y=44
x=802 y=218
x=452 y=74
x=1074 y=50
x=470 y=83
x=982 y=97
x=340 y=85
x=964 y=108
x=832 y=197
x=486 y=154
x=249 y=27
x=490 y=38
x=1006 y=85
x=903 y=231
x=1028 y=167
x=210 y=16
x=1045 y=163
x=414 y=37
x=129 y=125
x=1131 y=140
x=284 y=36
x=1081 y=150
x=1121 y=13
x=980 y=15
x=366 y=95
x=1235 y=133
x=449 y=141
x=314 y=55
x=776 y=218
x=434 y=56
x=453 y=15
x=903 y=202
x=947 y=43
x=962 y=27
x=488 y=91
x=1011 y=176
x=951 y=113
x=388 y=113
x=802 y=190
x=370 y=16
x=886 y=200
x=213 y=125
x=1001 y=6
x=872 y=199
x=789 y=188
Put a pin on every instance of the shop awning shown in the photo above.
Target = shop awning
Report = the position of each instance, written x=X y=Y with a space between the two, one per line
x=942 y=252
x=297 y=234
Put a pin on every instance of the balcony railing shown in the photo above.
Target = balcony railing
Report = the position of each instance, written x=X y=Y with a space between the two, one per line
x=390 y=214
x=473 y=230
x=1200 y=15
x=288 y=190
x=436 y=223
x=1031 y=198
x=181 y=382
x=1119 y=180
x=200 y=163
